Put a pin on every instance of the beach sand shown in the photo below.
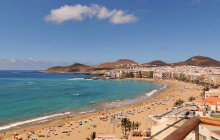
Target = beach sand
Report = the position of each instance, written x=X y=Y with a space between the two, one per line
x=175 y=91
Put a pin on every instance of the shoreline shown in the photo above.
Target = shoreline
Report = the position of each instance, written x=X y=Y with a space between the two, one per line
x=105 y=105
x=62 y=118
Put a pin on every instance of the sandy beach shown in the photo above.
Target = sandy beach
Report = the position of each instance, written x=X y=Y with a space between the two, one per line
x=71 y=129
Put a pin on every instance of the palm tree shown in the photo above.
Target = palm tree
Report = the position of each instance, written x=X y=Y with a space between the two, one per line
x=178 y=102
x=126 y=124
x=206 y=89
x=92 y=136
x=137 y=124
x=202 y=94
x=191 y=99
x=133 y=125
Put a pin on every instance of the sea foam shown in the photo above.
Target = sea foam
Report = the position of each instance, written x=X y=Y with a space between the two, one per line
x=79 y=79
x=44 y=118
x=151 y=93
x=76 y=79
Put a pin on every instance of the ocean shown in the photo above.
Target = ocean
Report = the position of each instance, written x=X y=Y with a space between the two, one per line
x=26 y=96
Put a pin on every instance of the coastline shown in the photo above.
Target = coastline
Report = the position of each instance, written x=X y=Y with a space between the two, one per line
x=59 y=118
x=177 y=90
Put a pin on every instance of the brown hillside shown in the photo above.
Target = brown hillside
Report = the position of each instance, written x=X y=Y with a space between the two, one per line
x=121 y=63
x=201 y=61
x=156 y=63
x=81 y=68
x=77 y=67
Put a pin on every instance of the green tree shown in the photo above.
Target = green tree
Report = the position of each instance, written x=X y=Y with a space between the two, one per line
x=202 y=94
x=137 y=124
x=178 y=102
x=206 y=89
x=197 y=81
x=133 y=125
x=203 y=91
x=191 y=99
x=92 y=136
x=126 y=124
x=183 y=79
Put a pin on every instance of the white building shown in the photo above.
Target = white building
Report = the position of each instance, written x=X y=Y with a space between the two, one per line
x=212 y=93
x=105 y=136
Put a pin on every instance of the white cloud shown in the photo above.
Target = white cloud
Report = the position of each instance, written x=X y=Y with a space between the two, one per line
x=79 y=12
x=30 y=59
x=120 y=17
x=13 y=60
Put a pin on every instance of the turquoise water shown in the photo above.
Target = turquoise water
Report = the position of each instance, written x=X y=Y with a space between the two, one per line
x=29 y=95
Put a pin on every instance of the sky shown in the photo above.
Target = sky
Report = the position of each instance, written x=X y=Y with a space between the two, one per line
x=37 y=34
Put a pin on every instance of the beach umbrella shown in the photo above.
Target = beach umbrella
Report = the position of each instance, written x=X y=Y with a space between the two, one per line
x=20 y=137
x=29 y=133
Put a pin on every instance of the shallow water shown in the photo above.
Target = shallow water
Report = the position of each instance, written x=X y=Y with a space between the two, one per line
x=29 y=95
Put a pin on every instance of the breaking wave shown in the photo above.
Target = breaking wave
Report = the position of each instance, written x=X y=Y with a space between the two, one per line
x=44 y=118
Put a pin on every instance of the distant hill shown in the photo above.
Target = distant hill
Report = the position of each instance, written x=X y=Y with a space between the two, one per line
x=201 y=61
x=121 y=63
x=75 y=68
x=97 y=69
x=156 y=63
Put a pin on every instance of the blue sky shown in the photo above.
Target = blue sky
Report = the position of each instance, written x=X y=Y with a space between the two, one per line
x=36 y=34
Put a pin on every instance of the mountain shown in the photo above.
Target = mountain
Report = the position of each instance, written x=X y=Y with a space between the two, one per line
x=121 y=63
x=156 y=63
x=75 y=68
x=201 y=61
x=94 y=69
x=125 y=61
